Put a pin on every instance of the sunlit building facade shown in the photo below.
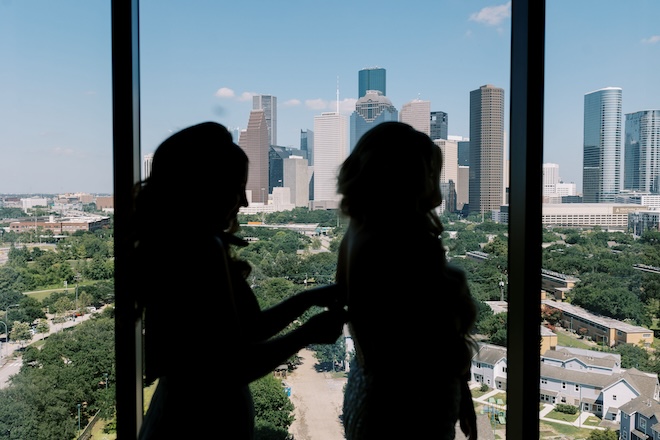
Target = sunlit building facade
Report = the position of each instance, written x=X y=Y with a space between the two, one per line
x=331 y=148
x=602 y=159
x=642 y=151
x=486 y=191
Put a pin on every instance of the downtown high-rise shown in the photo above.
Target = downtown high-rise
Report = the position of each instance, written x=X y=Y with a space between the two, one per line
x=642 y=152
x=268 y=103
x=417 y=113
x=602 y=159
x=486 y=174
x=254 y=140
x=371 y=78
x=439 y=125
x=370 y=110
x=330 y=150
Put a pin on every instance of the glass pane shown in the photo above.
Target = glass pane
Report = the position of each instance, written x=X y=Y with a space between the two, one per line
x=220 y=62
x=601 y=139
x=56 y=229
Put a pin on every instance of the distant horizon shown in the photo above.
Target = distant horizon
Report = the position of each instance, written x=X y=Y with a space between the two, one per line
x=57 y=72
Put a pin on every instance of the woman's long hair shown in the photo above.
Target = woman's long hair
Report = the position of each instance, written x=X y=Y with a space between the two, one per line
x=393 y=167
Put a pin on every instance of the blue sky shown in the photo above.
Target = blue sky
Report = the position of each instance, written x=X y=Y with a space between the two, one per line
x=203 y=59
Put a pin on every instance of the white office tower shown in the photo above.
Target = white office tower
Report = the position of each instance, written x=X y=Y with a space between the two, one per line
x=146 y=165
x=418 y=114
x=295 y=173
x=550 y=178
x=268 y=103
x=330 y=150
x=566 y=189
x=602 y=172
x=449 y=151
x=642 y=151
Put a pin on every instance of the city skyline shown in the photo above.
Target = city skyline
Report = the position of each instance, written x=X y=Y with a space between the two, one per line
x=203 y=64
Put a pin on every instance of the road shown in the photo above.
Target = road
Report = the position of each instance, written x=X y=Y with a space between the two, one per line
x=11 y=361
x=317 y=398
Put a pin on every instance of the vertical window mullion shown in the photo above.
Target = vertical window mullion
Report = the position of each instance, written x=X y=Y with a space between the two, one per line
x=126 y=158
x=526 y=159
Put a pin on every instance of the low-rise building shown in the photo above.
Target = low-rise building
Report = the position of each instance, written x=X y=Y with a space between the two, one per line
x=602 y=329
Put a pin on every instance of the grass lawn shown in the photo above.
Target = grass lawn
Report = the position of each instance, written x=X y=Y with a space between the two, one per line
x=565 y=340
x=554 y=414
x=97 y=432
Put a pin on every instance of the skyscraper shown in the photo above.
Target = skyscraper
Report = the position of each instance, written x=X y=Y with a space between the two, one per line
x=330 y=150
x=370 y=110
x=147 y=161
x=439 y=125
x=642 y=151
x=371 y=78
x=418 y=114
x=602 y=160
x=449 y=151
x=550 y=178
x=296 y=178
x=486 y=149
x=268 y=103
x=307 y=144
x=254 y=140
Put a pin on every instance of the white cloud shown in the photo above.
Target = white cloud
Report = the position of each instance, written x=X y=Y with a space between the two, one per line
x=224 y=92
x=492 y=15
x=316 y=104
x=246 y=96
x=651 y=40
x=60 y=151
x=291 y=103
x=347 y=105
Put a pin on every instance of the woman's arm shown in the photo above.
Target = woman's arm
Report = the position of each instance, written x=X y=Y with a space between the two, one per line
x=276 y=318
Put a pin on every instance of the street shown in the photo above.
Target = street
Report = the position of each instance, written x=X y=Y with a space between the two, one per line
x=11 y=361
x=318 y=399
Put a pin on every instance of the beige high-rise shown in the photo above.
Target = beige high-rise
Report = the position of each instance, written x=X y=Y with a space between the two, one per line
x=486 y=149
x=254 y=140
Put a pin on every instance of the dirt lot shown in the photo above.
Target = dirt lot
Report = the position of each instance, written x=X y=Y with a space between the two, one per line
x=318 y=400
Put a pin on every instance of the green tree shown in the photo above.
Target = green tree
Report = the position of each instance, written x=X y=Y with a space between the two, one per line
x=273 y=409
x=331 y=356
x=495 y=328
x=607 y=434
x=20 y=331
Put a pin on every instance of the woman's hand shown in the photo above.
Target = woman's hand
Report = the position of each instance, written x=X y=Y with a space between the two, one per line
x=331 y=297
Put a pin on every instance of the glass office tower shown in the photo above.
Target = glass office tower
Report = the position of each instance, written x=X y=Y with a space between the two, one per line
x=370 y=110
x=642 y=151
x=371 y=78
x=602 y=165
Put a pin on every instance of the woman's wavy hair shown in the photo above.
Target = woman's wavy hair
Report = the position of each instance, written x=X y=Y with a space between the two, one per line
x=199 y=165
x=392 y=165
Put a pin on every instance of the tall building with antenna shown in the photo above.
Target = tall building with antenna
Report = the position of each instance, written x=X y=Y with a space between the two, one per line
x=330 y=150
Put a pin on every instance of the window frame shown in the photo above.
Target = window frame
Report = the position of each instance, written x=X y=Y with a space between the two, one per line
x=526 y=157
